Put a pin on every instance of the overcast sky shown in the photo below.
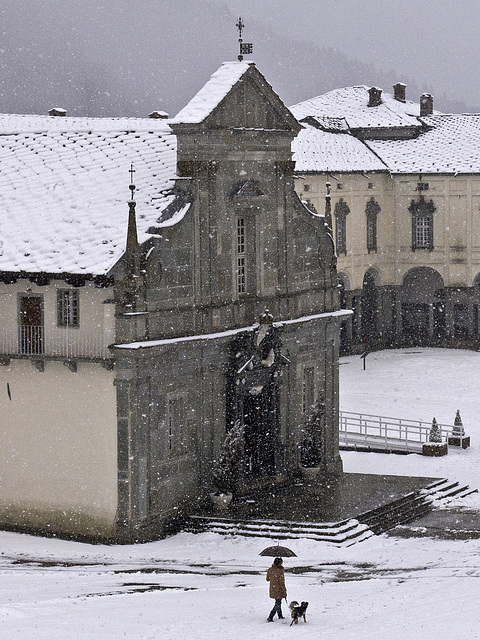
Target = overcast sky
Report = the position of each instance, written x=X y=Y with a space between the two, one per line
x=130 y=57
x=436 y=42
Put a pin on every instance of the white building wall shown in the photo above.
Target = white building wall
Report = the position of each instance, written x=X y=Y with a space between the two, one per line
x=58 y=447
x=456 y=254
x=89 y=340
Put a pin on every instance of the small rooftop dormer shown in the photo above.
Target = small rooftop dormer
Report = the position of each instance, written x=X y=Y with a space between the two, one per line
x=375 y=97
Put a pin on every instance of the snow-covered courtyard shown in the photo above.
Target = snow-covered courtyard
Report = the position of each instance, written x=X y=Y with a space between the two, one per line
x=208 y=586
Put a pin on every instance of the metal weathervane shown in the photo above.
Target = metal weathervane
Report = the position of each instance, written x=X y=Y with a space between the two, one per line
x=245 y=47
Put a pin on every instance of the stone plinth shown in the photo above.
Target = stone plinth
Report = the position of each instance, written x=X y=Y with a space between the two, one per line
x=435 y=449
x=459 y=441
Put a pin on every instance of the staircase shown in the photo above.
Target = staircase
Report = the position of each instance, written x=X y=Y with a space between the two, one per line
x=336 y=532
x=344 y=533
x=414 y=505
x=444 y=490
x=410 y=507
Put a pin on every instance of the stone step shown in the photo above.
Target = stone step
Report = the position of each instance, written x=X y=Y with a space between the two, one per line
x=409 y=507
x=445 y=489
x=336 y=532
x=414 y=505
x=393 y=518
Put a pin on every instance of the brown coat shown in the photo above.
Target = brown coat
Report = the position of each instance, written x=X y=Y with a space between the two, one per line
x=276 y=577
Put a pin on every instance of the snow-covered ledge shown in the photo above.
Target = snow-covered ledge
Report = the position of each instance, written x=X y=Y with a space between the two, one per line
x=232 y=332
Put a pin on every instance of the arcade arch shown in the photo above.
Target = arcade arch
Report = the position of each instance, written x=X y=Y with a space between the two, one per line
x=423 y=307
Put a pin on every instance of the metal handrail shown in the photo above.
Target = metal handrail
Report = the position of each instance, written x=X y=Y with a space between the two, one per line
x=359 y=429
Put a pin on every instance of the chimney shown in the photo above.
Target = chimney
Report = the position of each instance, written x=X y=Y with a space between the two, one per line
x=426 y=104
x=399 y=91
x=56 y=111
x=375 y=97
x=159 y=115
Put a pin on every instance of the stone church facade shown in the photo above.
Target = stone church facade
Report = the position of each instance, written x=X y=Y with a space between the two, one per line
x=222 y=307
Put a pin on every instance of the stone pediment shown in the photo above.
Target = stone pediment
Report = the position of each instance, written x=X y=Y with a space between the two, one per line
x=252 y=104
x=237 y=97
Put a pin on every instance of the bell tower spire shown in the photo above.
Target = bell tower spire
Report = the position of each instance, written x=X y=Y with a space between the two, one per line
x=132 y=275
x=132 y=237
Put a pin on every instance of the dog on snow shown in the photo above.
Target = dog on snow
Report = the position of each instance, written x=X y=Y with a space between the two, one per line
x=298 y=611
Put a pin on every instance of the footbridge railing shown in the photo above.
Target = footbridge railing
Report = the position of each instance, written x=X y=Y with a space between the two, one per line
x=366 y=432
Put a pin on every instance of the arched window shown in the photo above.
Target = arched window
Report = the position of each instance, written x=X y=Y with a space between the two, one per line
x=422 y=224
x=341 y=211
x=372 y=210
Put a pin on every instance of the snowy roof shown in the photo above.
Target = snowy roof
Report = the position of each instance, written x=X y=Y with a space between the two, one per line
x=351 y=103
x=20 y=123
x=64 y=189
x=335 y=125
x=212 y=93
x=451 y=144
x=323 y=151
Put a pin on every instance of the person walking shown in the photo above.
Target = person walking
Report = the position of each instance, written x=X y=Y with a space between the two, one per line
x=276 y=577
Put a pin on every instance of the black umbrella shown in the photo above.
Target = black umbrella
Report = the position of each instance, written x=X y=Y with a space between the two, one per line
x=278 y=552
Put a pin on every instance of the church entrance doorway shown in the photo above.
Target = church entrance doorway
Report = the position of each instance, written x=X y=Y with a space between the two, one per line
x=254 y=398
x=260 y=420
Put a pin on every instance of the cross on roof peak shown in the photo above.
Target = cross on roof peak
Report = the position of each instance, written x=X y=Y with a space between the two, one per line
x=246 y=48
x=132 y=185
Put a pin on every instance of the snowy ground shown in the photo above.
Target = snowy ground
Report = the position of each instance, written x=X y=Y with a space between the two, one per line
x=206 y=586
x=417 y=384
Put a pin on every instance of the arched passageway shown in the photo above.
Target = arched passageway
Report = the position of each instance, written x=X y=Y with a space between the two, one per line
x=423 y=307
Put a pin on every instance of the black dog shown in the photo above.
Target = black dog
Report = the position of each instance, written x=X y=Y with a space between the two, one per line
x=298 y=611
